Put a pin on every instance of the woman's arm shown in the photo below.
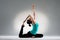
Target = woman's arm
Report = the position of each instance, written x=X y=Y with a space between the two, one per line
x=26 y=18
x=33 y=21
x=33 y=10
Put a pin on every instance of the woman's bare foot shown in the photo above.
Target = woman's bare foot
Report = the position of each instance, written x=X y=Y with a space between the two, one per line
x=33 y=36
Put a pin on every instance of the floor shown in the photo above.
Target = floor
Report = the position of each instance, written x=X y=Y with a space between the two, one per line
x=17 y=38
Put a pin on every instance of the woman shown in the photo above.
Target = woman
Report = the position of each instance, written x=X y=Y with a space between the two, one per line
x=35 y=25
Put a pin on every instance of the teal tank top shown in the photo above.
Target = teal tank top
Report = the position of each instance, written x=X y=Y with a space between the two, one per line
x=34 y=28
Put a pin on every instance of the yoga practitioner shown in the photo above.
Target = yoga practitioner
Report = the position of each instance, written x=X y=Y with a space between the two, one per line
x=30 y=20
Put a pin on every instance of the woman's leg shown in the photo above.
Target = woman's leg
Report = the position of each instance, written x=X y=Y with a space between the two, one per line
x=21 y=32
x=23 y=35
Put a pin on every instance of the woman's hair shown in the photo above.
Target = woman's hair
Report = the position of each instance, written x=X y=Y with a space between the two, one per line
x=29 y=22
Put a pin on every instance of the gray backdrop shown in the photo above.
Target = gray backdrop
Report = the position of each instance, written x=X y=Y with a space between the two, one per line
x=9 y=9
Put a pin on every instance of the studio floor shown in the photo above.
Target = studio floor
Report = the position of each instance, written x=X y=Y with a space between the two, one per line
x=17 y=38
